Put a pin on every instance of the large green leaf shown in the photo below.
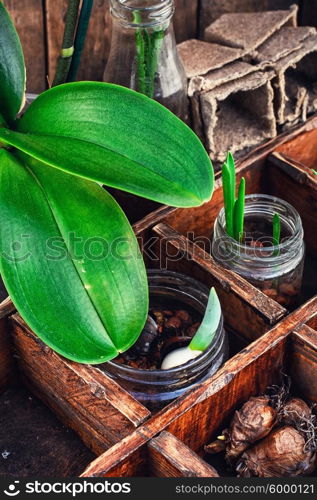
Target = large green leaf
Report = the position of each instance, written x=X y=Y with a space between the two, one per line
x=118 y=137
x=12 y=68
x=84 y=303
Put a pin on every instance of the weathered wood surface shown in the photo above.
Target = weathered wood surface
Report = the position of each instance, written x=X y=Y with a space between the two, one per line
x=88 y=401
x=301 y=149
x=39 y=444
x=170 y=457
x=274 y=174
x=196 y=418
x=6 y=308
x=28 y=16
x=186 y=19
x=313 y=321
x=7 y=365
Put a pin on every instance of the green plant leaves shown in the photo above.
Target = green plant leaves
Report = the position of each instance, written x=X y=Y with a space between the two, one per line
x=83 y=298
x=12 y=68
x=209 y=325
x=118 y=137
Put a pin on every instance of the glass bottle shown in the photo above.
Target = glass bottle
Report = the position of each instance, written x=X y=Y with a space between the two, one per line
x=143 y=54
x=277 y=270
x=156 y=388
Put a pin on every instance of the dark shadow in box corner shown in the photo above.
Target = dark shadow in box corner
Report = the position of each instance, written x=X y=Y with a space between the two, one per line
x=3 y=291
x=33 y=442
x=266 y=172
x=171 y=444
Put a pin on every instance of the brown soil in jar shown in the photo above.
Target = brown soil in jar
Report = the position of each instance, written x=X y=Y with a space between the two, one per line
x=164 y=331
x=284 y=289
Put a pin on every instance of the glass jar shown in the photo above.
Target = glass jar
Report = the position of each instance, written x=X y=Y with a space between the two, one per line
x=156 y=388
x=143 y=54
x=277 y=270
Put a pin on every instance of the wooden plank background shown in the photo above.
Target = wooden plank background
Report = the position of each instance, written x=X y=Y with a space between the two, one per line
x=40 y=26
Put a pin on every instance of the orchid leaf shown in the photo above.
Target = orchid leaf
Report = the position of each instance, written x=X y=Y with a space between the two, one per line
x=118 y=137
x=70 y=261
x=12 y=68
x=209 y=325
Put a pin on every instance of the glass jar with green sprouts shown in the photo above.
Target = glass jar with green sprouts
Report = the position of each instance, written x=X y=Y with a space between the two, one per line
x=143 y=54
x=260 y=237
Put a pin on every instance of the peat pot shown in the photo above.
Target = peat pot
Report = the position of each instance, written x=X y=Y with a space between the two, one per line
x=155 y=388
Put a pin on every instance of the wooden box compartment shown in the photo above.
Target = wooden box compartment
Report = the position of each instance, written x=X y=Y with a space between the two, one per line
x=97 y=408
x=284 y=174
x=171 y=443
x=33 y=442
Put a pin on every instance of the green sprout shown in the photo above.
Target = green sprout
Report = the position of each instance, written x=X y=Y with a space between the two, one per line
x=209 y=325
x=314 y=171
x=234 y=207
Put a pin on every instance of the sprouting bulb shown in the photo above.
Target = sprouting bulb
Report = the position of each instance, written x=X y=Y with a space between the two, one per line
x=202 y=338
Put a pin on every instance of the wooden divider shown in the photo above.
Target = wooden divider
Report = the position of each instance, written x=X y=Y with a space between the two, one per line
x=196 y=417
x=170 y=457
